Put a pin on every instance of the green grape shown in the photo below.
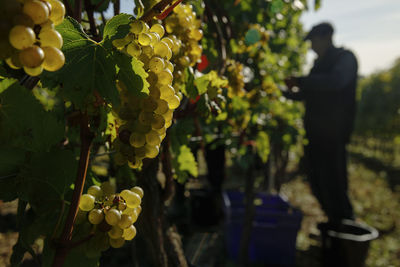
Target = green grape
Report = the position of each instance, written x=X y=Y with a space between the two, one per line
x=148 y=104
x=137 y=139
x=184 y=61
x=113 y=216
x=132 y=199
x=117 y=243
x=158 y=28
x=57 y=11
x=96 y=216
x=54 y=59
x=184 y=21
x=153 y=138
x=138 y=210
x=33 y=71
x=168 y=41
x=169 y=54
x=138 y=190
x=161 y=49
x=168 y=123
x=156 y=64
x=129 y=233
x=155 y=38
x=154 y=92
x=115 y=232
x=50 y=37
x=158 y=122
x=166 y=91
x=130 y=211
x=144 y=39
x=134 y=49
x=152 y=78
x=125 y=221
x=95 y=191
x=161 y=131
x=152 y=151
x=196 y=34
x=168 y=115
x=137 y=26
x=119 y=159
x=37 y=10
x=21 y=37
x=162 y=107
x=87 y=202
x=108 y=188
x=31 y=57
x=47 y=25
x=169 y=65
x=145 y=59
x=165 y=77
x=173 y=101
x=14 y=62
x=145 y=117
x=148 y=51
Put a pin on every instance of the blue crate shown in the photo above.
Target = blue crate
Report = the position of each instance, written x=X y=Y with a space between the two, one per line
x=274 y=232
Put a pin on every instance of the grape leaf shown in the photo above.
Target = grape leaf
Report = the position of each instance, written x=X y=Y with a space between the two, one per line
x=10 y=161
x=117 y=27
x=186 y=161
x=88 y=67
x=24 y=122
x=132 y=74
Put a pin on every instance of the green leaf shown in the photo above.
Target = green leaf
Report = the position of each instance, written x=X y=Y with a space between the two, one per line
x=263 y=146
x=132 y=74
x=25 y=124
x=317 y=4
x=277 y=6
x=88 y=67
x=100 y=5
x=189 y=89
x=4 y=84
x=202 y=84
x=117 y=27
x=10 y=161
x=252 y=36
x=187 y=161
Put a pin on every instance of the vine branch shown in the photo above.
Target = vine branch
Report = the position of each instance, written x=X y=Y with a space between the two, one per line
x=155 y=10
x=63 y=242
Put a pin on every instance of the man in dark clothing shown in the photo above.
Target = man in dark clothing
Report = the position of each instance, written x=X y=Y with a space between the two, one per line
x=329 y=96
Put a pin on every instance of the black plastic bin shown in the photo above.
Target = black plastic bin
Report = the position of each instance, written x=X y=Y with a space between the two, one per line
x=347 y=244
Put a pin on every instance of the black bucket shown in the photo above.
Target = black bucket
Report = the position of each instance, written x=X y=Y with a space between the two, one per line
x=346 y=245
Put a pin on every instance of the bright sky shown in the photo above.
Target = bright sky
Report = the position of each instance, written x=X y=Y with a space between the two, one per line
x=370 y=28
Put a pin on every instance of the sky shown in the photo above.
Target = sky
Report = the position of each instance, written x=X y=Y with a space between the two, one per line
x=370 y=28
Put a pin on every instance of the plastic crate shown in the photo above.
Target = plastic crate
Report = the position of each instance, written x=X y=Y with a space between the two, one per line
x=274 y=232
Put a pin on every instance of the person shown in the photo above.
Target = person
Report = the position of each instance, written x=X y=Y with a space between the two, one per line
x=329 y=95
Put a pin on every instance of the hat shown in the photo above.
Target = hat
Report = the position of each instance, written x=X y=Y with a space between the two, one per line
x=322 y=29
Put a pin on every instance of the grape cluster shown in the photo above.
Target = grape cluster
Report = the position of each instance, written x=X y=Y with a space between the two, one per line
x=112 y=213
x=28 y=39
x=234 y=72
x=186 y=27
x=144 y=120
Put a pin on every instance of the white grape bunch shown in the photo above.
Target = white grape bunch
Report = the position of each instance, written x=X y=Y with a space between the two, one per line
x=28 y=39
x=143 y=122
x=111 y=213
x=184 y=28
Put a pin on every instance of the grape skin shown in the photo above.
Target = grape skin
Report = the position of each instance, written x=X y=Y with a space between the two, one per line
x=54 y=59
x=37 y=10
x=21 y=37
x=87 y=202
x=113 y=216
x=95 y=216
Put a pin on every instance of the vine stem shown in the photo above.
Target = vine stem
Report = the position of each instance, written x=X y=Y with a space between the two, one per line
x=155 y=10
x=65 y=238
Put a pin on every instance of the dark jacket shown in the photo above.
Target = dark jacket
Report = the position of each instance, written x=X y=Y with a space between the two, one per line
x=329 y=94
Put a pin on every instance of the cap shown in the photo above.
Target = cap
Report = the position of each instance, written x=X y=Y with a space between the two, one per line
x=322 y=29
